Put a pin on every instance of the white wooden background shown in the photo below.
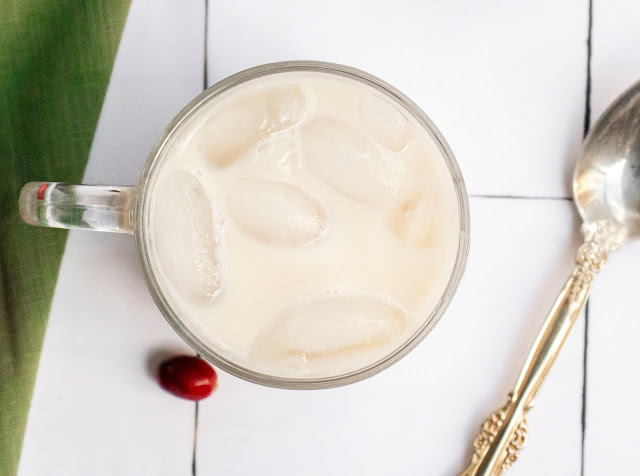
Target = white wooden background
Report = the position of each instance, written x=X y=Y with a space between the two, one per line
x=506 y=82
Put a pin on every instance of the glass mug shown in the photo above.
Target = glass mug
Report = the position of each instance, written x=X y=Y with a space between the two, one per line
x=126 y=210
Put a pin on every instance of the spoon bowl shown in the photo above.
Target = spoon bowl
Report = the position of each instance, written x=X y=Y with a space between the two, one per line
x=606 y=184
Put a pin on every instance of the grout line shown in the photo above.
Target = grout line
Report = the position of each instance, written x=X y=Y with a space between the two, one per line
x=205 y=64
x=587 y=125
x=587 y=107
x=195 y=439
x=521 y=197
x=205 y=84
x=584 y=385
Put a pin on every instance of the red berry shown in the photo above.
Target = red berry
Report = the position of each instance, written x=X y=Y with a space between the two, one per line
x=188 y=377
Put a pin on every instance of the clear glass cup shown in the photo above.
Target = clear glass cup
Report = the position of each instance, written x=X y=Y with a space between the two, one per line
x=126 y=210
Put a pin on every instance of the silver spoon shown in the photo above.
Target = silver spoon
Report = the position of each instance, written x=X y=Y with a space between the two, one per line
x=606 y=189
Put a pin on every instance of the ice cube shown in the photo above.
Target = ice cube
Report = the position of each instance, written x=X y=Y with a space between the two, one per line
x=285 y=107
x=184 y=237
x=347 y=160
x=421 y=159
x=418 y=215
x=278 y=153
x=277 y=213
x=385 y=123
x=240 y=124
x=330 y=329
x=231 y=132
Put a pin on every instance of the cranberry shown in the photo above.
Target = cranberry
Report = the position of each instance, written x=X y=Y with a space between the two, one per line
x=188 y=377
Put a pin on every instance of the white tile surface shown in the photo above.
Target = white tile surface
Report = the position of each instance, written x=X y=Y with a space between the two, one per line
x=158 y=70
x=504 y=81
x=615 y=63
x=613 y=418
x=420 y=416
x=95 y=409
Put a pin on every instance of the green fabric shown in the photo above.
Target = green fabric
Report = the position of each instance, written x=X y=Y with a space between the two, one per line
x=56 y=57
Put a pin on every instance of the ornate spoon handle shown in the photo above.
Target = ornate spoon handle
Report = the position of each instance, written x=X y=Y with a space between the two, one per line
x=504 y=433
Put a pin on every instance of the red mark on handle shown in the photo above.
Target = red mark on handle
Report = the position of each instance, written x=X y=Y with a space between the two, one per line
x=41 y=190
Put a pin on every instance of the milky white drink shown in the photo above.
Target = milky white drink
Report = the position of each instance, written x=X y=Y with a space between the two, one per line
x=303 y=224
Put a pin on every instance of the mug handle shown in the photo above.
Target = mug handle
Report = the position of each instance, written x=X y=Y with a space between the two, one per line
x=90 y=207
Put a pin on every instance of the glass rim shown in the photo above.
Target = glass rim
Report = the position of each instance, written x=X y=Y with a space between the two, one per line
x=142 y=197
